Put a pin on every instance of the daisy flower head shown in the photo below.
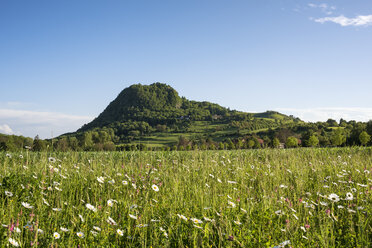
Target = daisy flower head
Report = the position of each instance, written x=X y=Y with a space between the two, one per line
x=124 y=182
x=349 y=196
x=155 y=187
x=100 y=179
x=8 y=193
x=91 y=207
x=133 y=216
x=26 y=205
x=56 y=235
x=13 y=242
x=333 y=197
x=80 y=234
x=63 y=229
x=182 y=217
x=231 y=204
x=196 y=221
x=52 y=160
x=110 y=203
x=96 y=228
x=120 y=232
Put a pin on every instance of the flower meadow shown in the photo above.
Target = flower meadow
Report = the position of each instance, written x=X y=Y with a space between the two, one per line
x=243 y=198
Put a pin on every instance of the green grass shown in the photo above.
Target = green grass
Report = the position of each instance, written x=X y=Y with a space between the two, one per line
x=236 y=195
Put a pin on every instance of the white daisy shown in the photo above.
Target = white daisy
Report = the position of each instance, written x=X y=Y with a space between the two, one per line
x=91 y=207
x=133 y=216
x=155 y=187
x=196 y=221
x=120 y=232
x=26 y=205
x=8 y=193
x=80 y=234
x=333 y=197
x=349 y=196
x=13 y=242
x=56 y=235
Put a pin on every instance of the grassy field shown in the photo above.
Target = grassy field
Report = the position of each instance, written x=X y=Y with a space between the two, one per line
x=244 y=198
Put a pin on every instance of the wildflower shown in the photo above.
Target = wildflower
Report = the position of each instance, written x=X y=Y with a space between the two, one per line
x=26 y=205
x=155 y=187
x=100 y=179
x=124 y=182
x=237 y=222
x=96 y=228
x=8 y=155
x=91 y=207
x=52 y=160
x=182 y=217
x=8 y=193
x=333 y=197
x=57 y=209
x=133 y=216
x=63 y=229
x=283 y=186
x=111 y=221
x=196 y=221
x=80 y=234
x=349 y=196
x=56 y=235
x=231 y=204
x=120 y=232
x=110 y=203
x=279 y=212
x=40 y=231
x=134 y=186
x=13 y=242
x=93 y=233
x=111 y=181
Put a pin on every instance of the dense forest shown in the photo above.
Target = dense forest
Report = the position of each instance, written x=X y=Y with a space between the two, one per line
x=156 y=117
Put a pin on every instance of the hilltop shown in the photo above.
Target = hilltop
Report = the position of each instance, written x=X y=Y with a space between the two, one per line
x=156 y=115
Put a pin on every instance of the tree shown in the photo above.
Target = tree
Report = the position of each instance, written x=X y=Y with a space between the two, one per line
x=291 y=142
x=312 y=141
x=276 y=142
x=38 y=145
x=338 y=137
x=364 y=138
x=62 y=145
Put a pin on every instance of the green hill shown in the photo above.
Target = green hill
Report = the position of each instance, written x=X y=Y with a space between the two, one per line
x=156 y=115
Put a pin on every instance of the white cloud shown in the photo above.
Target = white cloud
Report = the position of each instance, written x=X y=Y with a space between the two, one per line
x=344 y=21
x=323 y=114
x=5 y=129
x=325 y=8
x=31 y=123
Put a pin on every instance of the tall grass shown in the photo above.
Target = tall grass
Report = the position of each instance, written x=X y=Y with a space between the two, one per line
x=243 y=198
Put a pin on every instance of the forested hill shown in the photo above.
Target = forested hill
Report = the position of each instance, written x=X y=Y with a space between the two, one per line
x=147 y=112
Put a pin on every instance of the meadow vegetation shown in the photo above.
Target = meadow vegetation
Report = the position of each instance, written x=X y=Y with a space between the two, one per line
x=306 y=197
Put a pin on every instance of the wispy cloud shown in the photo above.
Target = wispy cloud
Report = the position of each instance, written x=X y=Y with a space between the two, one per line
x=31 y=123
x=323 y=114
x=325 y=8
x=345 y=21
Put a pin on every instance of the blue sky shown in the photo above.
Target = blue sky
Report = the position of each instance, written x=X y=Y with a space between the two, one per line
x=63 y=62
